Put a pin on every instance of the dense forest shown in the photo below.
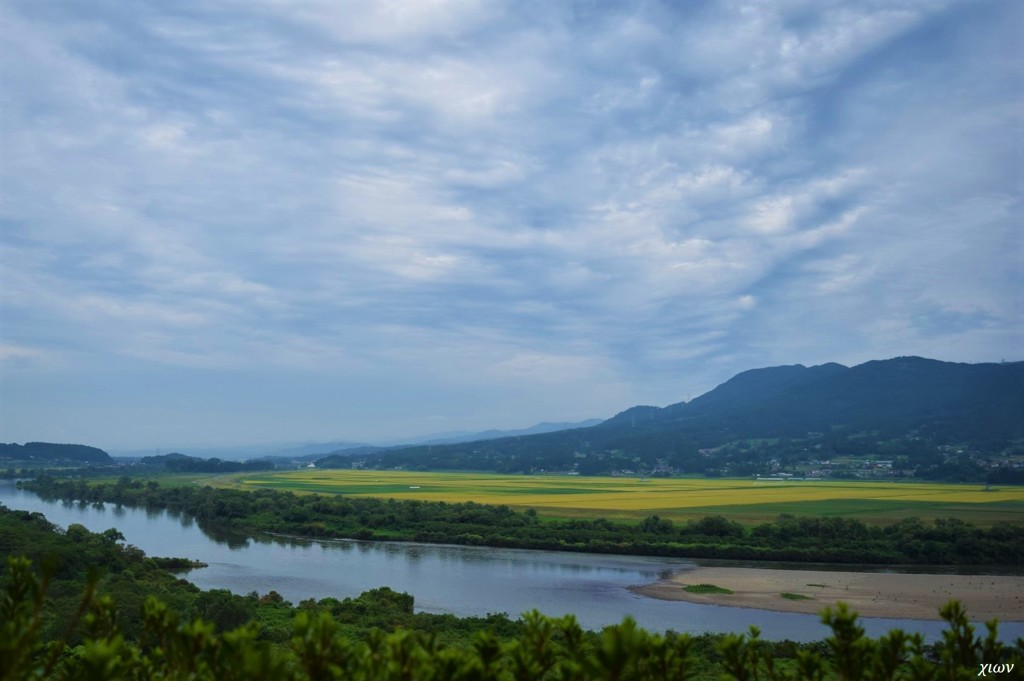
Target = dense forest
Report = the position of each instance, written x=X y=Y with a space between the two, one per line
x=101 y=609
x=836 y=540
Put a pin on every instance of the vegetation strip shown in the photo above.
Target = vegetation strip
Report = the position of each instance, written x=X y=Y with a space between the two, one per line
x=706 y=589
x=835 y=540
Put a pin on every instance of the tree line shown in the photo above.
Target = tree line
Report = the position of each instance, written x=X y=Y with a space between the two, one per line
x=788 y=538
x=182 y=463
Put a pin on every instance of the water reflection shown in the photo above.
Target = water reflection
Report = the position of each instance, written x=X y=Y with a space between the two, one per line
x=235 y=541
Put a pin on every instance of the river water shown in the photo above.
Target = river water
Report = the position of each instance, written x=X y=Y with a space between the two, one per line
x=459 y=580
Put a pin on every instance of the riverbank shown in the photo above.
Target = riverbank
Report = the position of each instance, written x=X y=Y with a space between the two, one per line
x=872 y=594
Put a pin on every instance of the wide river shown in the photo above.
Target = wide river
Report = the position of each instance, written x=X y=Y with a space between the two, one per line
x=443 y=579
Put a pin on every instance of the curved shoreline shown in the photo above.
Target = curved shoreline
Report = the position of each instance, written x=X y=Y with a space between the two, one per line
x=871 y=594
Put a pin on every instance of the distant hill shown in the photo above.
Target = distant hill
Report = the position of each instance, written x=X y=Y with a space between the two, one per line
x=54 y=453
x=953 y=401
x=312 y=450
x=285 y=452
x=343 y=457
x=493 y=434
x=180 y=463
x=758 y=385
x=905 y=397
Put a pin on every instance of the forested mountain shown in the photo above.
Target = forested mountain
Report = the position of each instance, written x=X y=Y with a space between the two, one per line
x=906 y=398
x=959 y=401
x=180 y=463
x=49 y=452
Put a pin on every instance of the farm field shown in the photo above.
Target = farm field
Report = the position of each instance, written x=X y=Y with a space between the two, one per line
x=744 y=500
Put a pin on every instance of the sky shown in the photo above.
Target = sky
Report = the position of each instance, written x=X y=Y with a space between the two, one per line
x=232 y=222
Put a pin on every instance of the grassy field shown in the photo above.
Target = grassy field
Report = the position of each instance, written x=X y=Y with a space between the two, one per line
x=744 y=500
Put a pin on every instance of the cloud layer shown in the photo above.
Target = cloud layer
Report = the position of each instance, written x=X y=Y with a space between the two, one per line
x=238 y=221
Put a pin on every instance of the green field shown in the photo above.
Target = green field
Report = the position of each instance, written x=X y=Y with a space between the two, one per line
x=744 y=500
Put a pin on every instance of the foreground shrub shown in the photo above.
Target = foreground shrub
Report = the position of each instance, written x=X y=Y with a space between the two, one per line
x=548 y=648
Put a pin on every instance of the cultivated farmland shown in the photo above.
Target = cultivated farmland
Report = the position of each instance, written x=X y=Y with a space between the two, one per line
x=745 y=500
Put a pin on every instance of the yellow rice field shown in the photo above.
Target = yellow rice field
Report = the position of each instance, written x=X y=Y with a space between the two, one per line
x=745 y=499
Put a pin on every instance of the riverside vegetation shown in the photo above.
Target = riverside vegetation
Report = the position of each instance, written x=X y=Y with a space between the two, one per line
x=103 y=610
x=837 y=540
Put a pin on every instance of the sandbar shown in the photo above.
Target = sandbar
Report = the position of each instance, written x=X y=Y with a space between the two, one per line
x=871 y=594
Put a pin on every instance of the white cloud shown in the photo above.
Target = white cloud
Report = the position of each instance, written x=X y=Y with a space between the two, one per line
x=544 y=368
x=388 y=23
x=773 y=215
x=747 y=302
x=754 y=133
x=20 y=353
x=837 y=275
x=468 y=191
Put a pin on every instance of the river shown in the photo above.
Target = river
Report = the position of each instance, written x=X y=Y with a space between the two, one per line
x=460 y=580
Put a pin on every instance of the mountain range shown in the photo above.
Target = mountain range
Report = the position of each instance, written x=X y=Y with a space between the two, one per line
x=908 y=407
x=908 y=398
x=896 y=396
x=311 y=451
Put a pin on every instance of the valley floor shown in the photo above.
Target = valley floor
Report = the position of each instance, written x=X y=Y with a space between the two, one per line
x=871 y=594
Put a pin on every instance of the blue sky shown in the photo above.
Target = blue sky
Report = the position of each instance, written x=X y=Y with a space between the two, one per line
x=248 y=221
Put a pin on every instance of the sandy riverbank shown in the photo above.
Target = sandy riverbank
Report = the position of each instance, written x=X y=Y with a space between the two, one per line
x=871 y=594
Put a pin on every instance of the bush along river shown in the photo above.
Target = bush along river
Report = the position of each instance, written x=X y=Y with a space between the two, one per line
x=460 y=580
